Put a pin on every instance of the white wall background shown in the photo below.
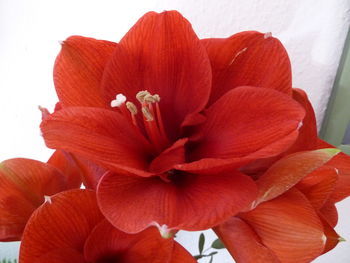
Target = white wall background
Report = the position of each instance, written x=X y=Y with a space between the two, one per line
x=313 y=32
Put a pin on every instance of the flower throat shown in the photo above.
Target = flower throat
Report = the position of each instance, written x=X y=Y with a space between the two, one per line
x=151 y=115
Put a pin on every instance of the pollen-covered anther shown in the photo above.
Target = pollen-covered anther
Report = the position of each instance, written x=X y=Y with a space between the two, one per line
x=119 y=100
x=151 y=98
x=131 y=107
x=140 y=96
x=267 y=35
x=148 y=115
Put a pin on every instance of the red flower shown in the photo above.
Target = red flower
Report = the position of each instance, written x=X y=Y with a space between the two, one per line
x=25 y=184
x=288 y=222
x=188 y=113
x=70 y=228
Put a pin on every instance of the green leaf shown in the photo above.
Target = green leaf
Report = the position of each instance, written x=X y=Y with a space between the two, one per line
x=201 y=243
x=217 y=244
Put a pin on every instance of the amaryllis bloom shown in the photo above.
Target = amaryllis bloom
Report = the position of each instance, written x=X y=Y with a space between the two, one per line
x=25 y=184
x=293 y=218
x=70 y=228
x=171 y=118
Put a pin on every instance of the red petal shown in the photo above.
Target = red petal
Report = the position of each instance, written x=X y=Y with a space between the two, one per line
x=307 y=139
x=341 y=163
x=332 y=237
x=175 y=154
x=163 y=55
x=61 y=256
x=318 y=185
x=23 y=184
x=248 y=59
x=289 y=226
x=66 y=164
x=288 y=171
x=181 y=255
x=247 y=123
x=243 y=243
x=190 y=202
x=92 y=173
x=329 y=213
x=146 y=246
x=66 y=222
x=102 y=136
x=78 y=71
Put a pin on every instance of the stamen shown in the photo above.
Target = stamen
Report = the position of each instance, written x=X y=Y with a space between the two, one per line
x=148 y=115
x=140 y=96
x=119 y=100
x=149 y=99
x=156 y=97
x=131 y=107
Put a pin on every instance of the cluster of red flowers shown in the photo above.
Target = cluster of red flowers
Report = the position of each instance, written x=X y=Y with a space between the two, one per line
x=168 y=132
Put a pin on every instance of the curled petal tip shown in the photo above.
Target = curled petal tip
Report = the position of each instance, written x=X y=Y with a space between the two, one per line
x=48 y=199
x=331 y=151
x=164 y=231
x=44 y=112
x=341 y=239
x=267 y=35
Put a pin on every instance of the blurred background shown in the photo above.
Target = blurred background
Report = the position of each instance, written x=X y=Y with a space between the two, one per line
x=313 y=32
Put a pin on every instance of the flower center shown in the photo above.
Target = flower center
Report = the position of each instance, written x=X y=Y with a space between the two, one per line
x=151 y=116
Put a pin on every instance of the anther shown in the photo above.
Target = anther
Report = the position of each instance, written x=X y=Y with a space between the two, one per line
x=131 y=107
x=119 y=100
x=148 y=115
x=150 y=98
x=156 y=97
x=140 y=96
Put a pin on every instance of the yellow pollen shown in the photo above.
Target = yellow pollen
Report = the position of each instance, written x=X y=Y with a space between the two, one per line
x=140 y=96
x=131 y=107
x=156 y=97
x=148 y=115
